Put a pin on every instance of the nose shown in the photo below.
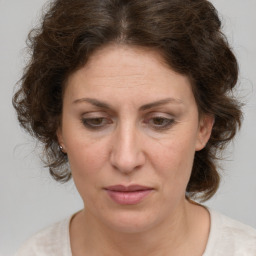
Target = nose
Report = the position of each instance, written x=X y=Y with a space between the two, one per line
x=127 y=153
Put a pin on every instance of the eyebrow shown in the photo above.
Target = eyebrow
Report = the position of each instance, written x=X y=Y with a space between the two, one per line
x=102 y=104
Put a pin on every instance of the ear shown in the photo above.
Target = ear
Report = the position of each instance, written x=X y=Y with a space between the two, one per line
x=206 y=123
x=61 y=140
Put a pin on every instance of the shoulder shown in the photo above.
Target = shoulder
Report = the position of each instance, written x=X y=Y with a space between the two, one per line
x=230 y=237
x=53 y=240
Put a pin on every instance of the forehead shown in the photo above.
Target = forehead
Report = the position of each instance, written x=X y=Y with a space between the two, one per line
x=128 y=71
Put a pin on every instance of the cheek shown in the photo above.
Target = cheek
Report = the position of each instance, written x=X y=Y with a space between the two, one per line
x=174 y=159
x=87 y=162
x=87 y=157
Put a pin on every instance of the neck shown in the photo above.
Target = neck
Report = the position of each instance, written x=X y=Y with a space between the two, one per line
x=167 y=238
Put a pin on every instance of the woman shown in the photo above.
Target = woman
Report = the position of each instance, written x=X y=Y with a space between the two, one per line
x=135 y=97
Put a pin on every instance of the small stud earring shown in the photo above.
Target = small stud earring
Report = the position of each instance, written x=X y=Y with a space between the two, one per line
x=61 y=149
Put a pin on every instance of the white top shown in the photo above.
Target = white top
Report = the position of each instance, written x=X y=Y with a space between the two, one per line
x=227 y=238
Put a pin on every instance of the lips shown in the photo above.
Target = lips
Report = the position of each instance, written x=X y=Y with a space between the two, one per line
x=128 y=195
x=131 y=188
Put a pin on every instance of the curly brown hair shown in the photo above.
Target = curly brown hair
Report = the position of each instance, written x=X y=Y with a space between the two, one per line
x=186 y=32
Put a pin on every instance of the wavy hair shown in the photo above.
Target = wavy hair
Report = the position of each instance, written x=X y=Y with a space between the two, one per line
x=186 y=32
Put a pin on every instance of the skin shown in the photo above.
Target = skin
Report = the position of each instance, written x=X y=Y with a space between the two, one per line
x=130 y=144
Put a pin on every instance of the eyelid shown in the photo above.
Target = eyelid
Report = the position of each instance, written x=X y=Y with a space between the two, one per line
x=167 y=121
x=94 y=114
x=88 y=119
x=161 y=115
x=88 y=123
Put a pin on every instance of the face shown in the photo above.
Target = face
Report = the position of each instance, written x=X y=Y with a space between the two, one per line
x=129 y=119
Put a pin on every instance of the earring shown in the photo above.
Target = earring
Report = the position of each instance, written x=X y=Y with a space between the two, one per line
x=61 y=149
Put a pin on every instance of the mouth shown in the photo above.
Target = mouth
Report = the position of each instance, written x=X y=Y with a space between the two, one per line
x=128 y=195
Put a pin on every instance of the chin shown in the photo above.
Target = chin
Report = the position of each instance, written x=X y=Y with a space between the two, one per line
x=131 y=222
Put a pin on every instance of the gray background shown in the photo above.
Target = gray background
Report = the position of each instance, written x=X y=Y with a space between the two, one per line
x=30 y=200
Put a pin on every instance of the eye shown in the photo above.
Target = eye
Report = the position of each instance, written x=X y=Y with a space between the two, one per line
x=160 y=122
x=95 y=123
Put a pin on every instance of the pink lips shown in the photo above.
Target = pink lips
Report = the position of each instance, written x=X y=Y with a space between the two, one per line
x=128 y=195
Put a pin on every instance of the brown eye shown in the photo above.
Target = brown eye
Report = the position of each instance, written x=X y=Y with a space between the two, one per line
x=160 y=122
x=95 y=123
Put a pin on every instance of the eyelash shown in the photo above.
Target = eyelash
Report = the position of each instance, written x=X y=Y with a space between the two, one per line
x=168 y=122
x=87 y=122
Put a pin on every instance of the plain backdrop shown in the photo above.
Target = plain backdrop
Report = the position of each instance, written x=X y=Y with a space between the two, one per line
x=31 y=200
